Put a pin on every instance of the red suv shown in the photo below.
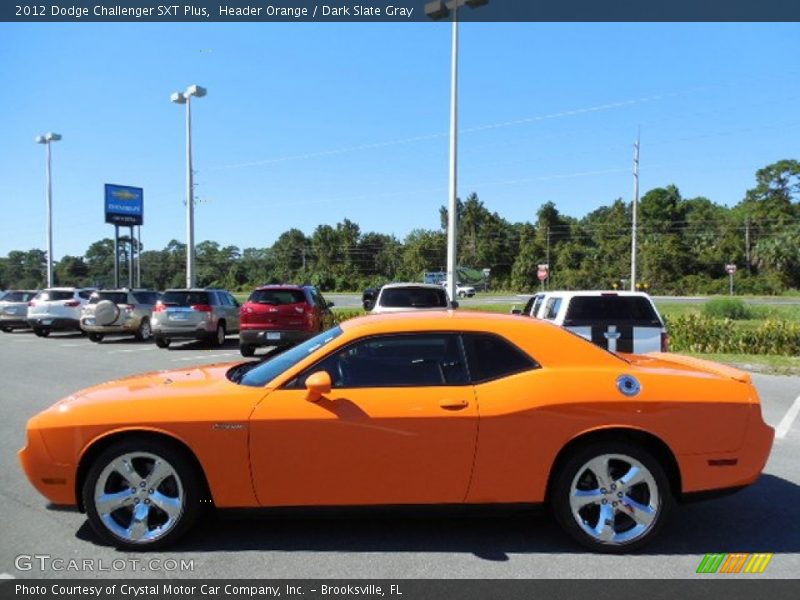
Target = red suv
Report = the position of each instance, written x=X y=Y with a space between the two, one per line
x=282 y=315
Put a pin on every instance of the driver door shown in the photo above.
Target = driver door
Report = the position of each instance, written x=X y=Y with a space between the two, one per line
x=398 y=427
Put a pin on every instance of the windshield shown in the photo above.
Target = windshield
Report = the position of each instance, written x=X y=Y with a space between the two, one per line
x=413 y=298
x=262 y=373
x=53 y=295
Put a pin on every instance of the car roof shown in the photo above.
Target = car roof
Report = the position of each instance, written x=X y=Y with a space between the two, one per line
x=430 y=286
x=571 y=293
x=283 y=286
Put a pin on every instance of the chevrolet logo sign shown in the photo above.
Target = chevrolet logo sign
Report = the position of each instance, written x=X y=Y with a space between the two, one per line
x=124 y=195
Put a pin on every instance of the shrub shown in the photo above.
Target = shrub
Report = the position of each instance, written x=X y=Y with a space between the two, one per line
x=701 y=333
x=727 y=308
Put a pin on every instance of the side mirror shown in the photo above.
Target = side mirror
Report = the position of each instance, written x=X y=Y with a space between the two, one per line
x=317 y=385
x=330 y=304
x=368 y=305
x=454 y=304
x=516 y=311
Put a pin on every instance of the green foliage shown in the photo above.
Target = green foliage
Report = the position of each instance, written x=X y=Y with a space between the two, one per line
x=700 y=333
x=727 y=308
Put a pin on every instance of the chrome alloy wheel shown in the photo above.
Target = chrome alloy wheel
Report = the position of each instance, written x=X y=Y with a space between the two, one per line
x=614 y=499
x=139 y=497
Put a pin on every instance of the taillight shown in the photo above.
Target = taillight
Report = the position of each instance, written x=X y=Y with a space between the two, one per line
x=201 y=307
x=664 y=341
x=159 y=307
x=72 y=303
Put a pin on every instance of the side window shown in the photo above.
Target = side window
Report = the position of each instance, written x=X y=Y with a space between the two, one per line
x=551 y=308
x=231 y=300
x=491 y=357
x=312 y=297
x=85 y=294
x=528 y=306
x=395 y=361
x=215 y=298
x=537 y=303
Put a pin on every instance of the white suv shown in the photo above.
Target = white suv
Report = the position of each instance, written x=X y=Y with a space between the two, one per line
x=398 y=297
x=57 y=309
x=617 y=321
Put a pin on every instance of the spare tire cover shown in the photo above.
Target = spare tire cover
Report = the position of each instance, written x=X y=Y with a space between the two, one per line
x=106 y=312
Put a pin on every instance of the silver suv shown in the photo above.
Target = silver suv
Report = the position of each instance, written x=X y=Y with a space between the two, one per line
x=57 y=308
x=119 y=311
x=14 y=309
x=196 y=314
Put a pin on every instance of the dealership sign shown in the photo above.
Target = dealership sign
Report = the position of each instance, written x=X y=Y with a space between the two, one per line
x=124 y=205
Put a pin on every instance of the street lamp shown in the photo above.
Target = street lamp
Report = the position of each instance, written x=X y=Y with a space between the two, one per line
x=186 y=98
x=438 y=10
x=46 y=139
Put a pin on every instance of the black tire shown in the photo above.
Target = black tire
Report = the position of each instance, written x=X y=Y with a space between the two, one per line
x=575 y=466
x=41 y=332
x=218 y=340
x=144 y=333
x=96 y=337
x=247 y=349
x=184 y=487
x=162 y=342
x=5 y=329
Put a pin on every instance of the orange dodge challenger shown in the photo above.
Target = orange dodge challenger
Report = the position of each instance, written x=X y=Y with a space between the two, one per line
x=449 y=407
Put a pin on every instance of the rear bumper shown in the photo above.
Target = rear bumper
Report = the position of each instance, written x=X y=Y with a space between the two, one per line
x=267 y=337
x=196 y=334
x=54 y=323
x=726 y=470
x=12 y=321
x=130 y=327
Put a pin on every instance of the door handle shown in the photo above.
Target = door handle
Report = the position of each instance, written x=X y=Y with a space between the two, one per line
x=453 y=404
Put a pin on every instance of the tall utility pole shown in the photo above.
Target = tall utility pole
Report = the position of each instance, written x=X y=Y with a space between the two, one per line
x=47 y=140
x=186 y=98
x=436 y=10
x=547 y=260
x=634 y=210
x=747 y=242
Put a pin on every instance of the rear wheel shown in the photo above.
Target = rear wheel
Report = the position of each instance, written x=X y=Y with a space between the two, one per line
x=142 y=494
x=162 y=342
x=144 y=332
x=247 y=349
x=96 y=337
x=5 y=329
x=219 y=335
x=41 y=332
x=611 y=497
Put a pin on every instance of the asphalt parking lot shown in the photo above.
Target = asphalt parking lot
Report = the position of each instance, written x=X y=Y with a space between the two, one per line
x=35 y=372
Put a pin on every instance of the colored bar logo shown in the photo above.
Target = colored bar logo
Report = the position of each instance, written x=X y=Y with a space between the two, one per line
x=734 y=563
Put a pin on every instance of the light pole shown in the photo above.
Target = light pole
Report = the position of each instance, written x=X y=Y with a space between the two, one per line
x=186 y=98
x=438 y=10
x=46 y=139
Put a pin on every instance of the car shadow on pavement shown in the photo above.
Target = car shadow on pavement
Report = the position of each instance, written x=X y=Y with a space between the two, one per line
x=230 y=344
x=762 y=518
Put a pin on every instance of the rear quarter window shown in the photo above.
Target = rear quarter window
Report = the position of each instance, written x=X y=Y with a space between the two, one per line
x=492 y=357
x=551 y=308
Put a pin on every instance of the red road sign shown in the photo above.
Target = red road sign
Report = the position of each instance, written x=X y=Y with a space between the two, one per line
x=541 y=274
x=730 y=269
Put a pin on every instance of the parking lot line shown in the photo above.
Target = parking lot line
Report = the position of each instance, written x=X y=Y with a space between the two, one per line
x=74 y=345
x=129 y=350
x=786 y=422
x=201 y=356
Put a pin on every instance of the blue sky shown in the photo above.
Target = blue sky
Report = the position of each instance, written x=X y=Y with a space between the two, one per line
x=311 y=123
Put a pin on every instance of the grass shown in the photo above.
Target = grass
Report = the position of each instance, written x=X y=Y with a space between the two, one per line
x=790 y=312
x=761 y=363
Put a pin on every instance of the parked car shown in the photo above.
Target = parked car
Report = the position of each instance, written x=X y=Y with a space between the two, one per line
x=397 y=297
x=532 y=305
x=119 y=311
x=421 y=409
x=195 y=314
x=282 y=315
x=57 y=309
x=617 y=321
x=462 y=291
x=14 y=309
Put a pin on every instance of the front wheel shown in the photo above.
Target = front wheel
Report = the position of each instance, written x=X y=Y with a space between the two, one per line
x=162 y=342
x=247 y=349
x=96 y=337
x=219 y=336
x=5 y=329
x=611 y=497
x=144 y=332
x=41 y=332
x=142 y=494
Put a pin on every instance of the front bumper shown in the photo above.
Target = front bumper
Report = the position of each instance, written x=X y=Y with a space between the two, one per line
x=53 y=480
x=271 y=337
x=45 y=322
